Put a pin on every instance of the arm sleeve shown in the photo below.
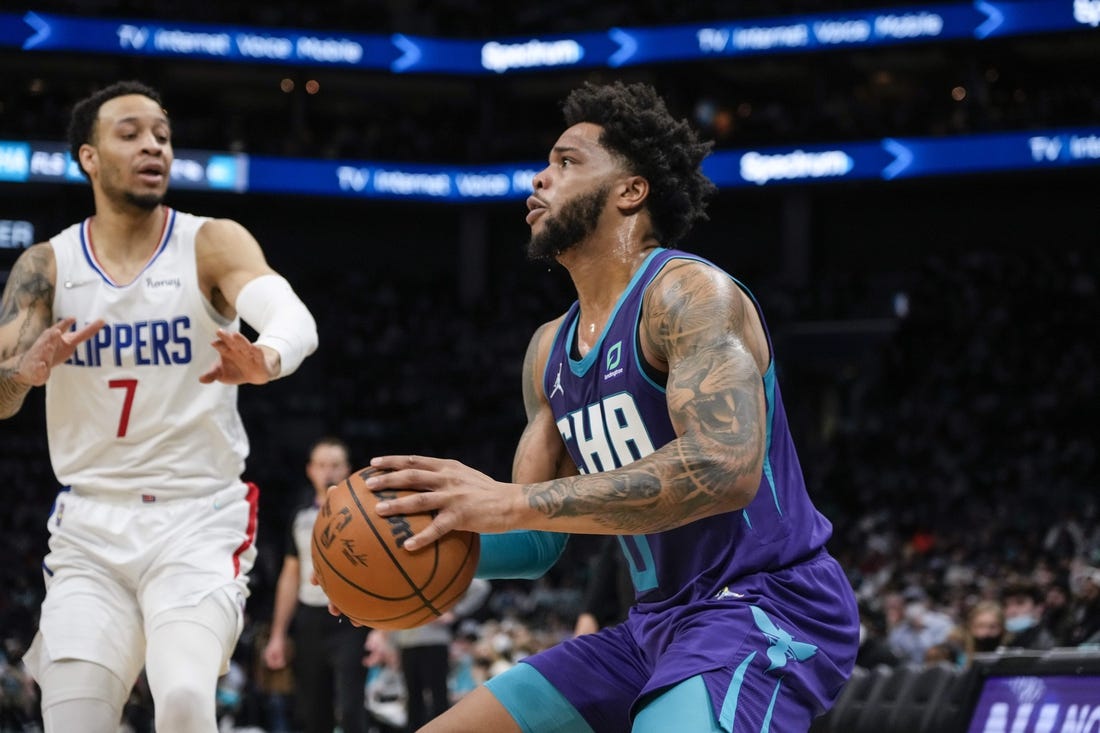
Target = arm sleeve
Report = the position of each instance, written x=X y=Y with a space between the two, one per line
x=281 y=319
x=525 y=554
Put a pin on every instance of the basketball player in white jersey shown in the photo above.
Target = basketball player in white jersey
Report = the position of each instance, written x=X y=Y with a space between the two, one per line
x=131 y=321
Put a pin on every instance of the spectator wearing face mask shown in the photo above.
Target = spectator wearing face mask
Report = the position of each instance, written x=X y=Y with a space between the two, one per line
x=985 y=628
x=1023 y=609
x=921 y=628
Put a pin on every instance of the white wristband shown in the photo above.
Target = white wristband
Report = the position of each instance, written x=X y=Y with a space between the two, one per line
x=269 y=304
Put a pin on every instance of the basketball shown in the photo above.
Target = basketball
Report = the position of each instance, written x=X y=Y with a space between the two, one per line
x=360 y=563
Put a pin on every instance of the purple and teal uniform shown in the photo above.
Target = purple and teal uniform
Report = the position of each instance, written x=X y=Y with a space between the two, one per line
x=747 y=604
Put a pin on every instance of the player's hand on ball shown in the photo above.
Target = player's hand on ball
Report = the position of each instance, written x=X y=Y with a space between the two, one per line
x=462 y=497
x=332 y=609
x=359 y=563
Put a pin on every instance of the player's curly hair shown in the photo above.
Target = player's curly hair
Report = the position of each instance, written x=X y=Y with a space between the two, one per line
x=85 y=112
x=638 y=127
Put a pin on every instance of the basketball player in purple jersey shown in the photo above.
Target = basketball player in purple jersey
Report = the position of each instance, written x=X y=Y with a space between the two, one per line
x=131 y=320
x=653 y=414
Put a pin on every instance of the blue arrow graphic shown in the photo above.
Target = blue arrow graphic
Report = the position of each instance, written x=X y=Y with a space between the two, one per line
x=994 y=18
x=628 y=46
x=410 y=53
x=903 y=156
x=41 y=29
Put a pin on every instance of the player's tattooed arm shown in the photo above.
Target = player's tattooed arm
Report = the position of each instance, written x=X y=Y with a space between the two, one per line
x=541 y=454
x=694 y=320
x=25 y=312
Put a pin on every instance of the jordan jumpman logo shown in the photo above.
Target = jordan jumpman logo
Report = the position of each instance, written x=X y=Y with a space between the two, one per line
x=557 y=384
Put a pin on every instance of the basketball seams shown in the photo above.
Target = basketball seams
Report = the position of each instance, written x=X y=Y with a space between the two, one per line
x=393 y=558
x=336 y=571
x=465 y=569
x=445 y=574
x=374 y=594
x=445 y=604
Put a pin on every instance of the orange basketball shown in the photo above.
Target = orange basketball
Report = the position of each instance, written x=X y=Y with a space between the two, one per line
x=360 y=564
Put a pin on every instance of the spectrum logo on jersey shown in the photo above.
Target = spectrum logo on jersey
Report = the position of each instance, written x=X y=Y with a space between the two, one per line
x=614 y=355
x=143 y=343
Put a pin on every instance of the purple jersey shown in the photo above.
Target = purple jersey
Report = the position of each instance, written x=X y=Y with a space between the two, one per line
x=745 y=610
x=611 y=410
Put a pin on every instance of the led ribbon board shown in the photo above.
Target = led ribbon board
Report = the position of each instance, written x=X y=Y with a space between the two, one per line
x=611 y=48
x=883 y=160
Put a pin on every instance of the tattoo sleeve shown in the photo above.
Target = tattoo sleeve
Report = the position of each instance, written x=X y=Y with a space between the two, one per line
x=695 y=319
x=24 y=313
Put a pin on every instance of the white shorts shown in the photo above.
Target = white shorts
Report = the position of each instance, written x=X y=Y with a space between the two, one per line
x=115 y=568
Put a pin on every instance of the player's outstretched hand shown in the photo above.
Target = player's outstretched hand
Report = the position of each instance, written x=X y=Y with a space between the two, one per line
x=240 y=361
x=462 y=497
x=53 y=346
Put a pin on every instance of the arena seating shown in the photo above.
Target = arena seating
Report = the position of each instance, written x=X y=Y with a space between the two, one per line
x=905 y=699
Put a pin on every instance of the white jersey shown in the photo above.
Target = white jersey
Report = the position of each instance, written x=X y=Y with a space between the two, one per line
x=126 y=414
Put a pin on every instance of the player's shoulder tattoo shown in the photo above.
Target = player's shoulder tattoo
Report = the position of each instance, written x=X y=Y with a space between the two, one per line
x=30 y=284
x=686 y=301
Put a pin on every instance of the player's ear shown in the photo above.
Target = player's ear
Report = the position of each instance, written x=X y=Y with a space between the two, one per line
x=633 y=192
x=89 y=158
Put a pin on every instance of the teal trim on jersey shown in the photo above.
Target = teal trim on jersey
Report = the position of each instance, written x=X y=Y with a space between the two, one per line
x=769 y=398
x=580 y=368
x=643 y=370
x=683 y=708
x=524 y=553
x=745 y=514
x=767 y=726
x=535 y=704
x=645 y=577
x=729 y=705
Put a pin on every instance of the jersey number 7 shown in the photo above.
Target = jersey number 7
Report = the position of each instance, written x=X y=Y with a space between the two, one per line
x=130 y=385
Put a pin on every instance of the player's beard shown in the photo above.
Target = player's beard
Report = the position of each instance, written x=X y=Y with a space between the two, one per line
x=577 y=219
x=147 y=201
